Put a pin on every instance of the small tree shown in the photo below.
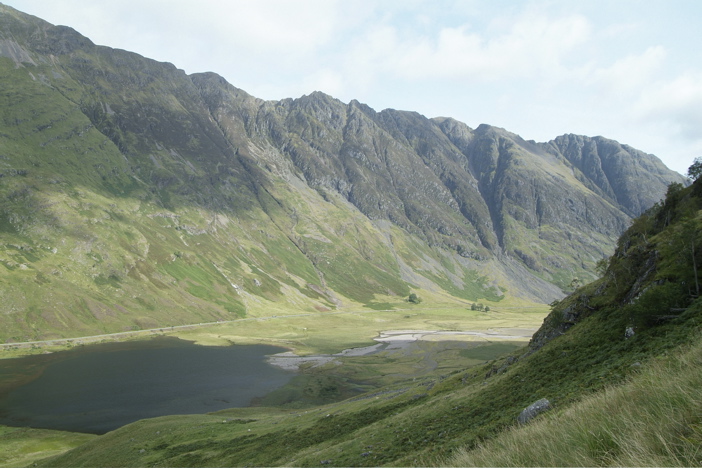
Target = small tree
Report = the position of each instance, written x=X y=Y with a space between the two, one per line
x=575 y=284
x=689 y=234
x=414 y=299
x=601 y=266
x=695 y=171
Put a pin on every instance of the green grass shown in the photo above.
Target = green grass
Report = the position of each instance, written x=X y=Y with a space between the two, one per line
x=654 y=419
x=490 y=351
x=381 y=306
x=474 y=286
x=328 y=333
x=21 y=447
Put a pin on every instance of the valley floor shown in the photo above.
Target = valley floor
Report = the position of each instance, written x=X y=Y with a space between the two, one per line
x=525 y=319
x=377 y=348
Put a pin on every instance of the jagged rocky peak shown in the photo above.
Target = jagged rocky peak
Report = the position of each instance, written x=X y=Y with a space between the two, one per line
x=213 y=81
x=618 y=171
x=458 y=132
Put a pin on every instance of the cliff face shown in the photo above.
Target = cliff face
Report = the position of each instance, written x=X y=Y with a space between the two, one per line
x=135 y=195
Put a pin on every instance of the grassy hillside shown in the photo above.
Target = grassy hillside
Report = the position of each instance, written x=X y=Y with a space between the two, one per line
x=21 y=447
x=644 y=319
x=651 y=420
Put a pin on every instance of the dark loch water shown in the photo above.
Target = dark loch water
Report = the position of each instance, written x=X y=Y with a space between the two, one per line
x=98 y=388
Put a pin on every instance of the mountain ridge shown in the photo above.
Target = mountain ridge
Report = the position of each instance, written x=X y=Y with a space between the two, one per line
x=154 y=189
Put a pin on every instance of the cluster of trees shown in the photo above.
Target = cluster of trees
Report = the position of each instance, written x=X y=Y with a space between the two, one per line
x=480 y=306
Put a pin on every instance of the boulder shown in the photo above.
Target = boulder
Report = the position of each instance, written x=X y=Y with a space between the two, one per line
x=533 y=410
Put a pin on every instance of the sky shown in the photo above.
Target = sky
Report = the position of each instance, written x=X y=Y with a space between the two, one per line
x=623 y=69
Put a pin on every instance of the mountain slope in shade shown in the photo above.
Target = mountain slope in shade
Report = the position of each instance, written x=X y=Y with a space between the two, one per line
x=136 y=196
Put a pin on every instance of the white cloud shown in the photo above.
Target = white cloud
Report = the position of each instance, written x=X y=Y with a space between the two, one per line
x=531 y=46
x=326 y=80
x=278 y=30
x=630 y=74
x=278 y=26
x=677 y=103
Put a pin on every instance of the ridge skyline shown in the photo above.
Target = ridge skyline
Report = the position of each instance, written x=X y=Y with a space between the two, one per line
x=650 y=79
x=125 y=174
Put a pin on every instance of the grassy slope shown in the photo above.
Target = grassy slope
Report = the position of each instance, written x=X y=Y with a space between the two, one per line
x=654 y=419
x=22 y=446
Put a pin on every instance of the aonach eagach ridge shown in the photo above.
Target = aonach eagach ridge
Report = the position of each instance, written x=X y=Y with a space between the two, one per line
x=136 y=196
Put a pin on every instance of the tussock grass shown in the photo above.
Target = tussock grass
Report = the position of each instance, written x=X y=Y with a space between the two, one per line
x=23 y=446
x=655 y=419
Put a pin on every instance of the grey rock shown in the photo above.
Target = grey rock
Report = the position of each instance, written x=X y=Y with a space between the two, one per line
x=533 y=410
